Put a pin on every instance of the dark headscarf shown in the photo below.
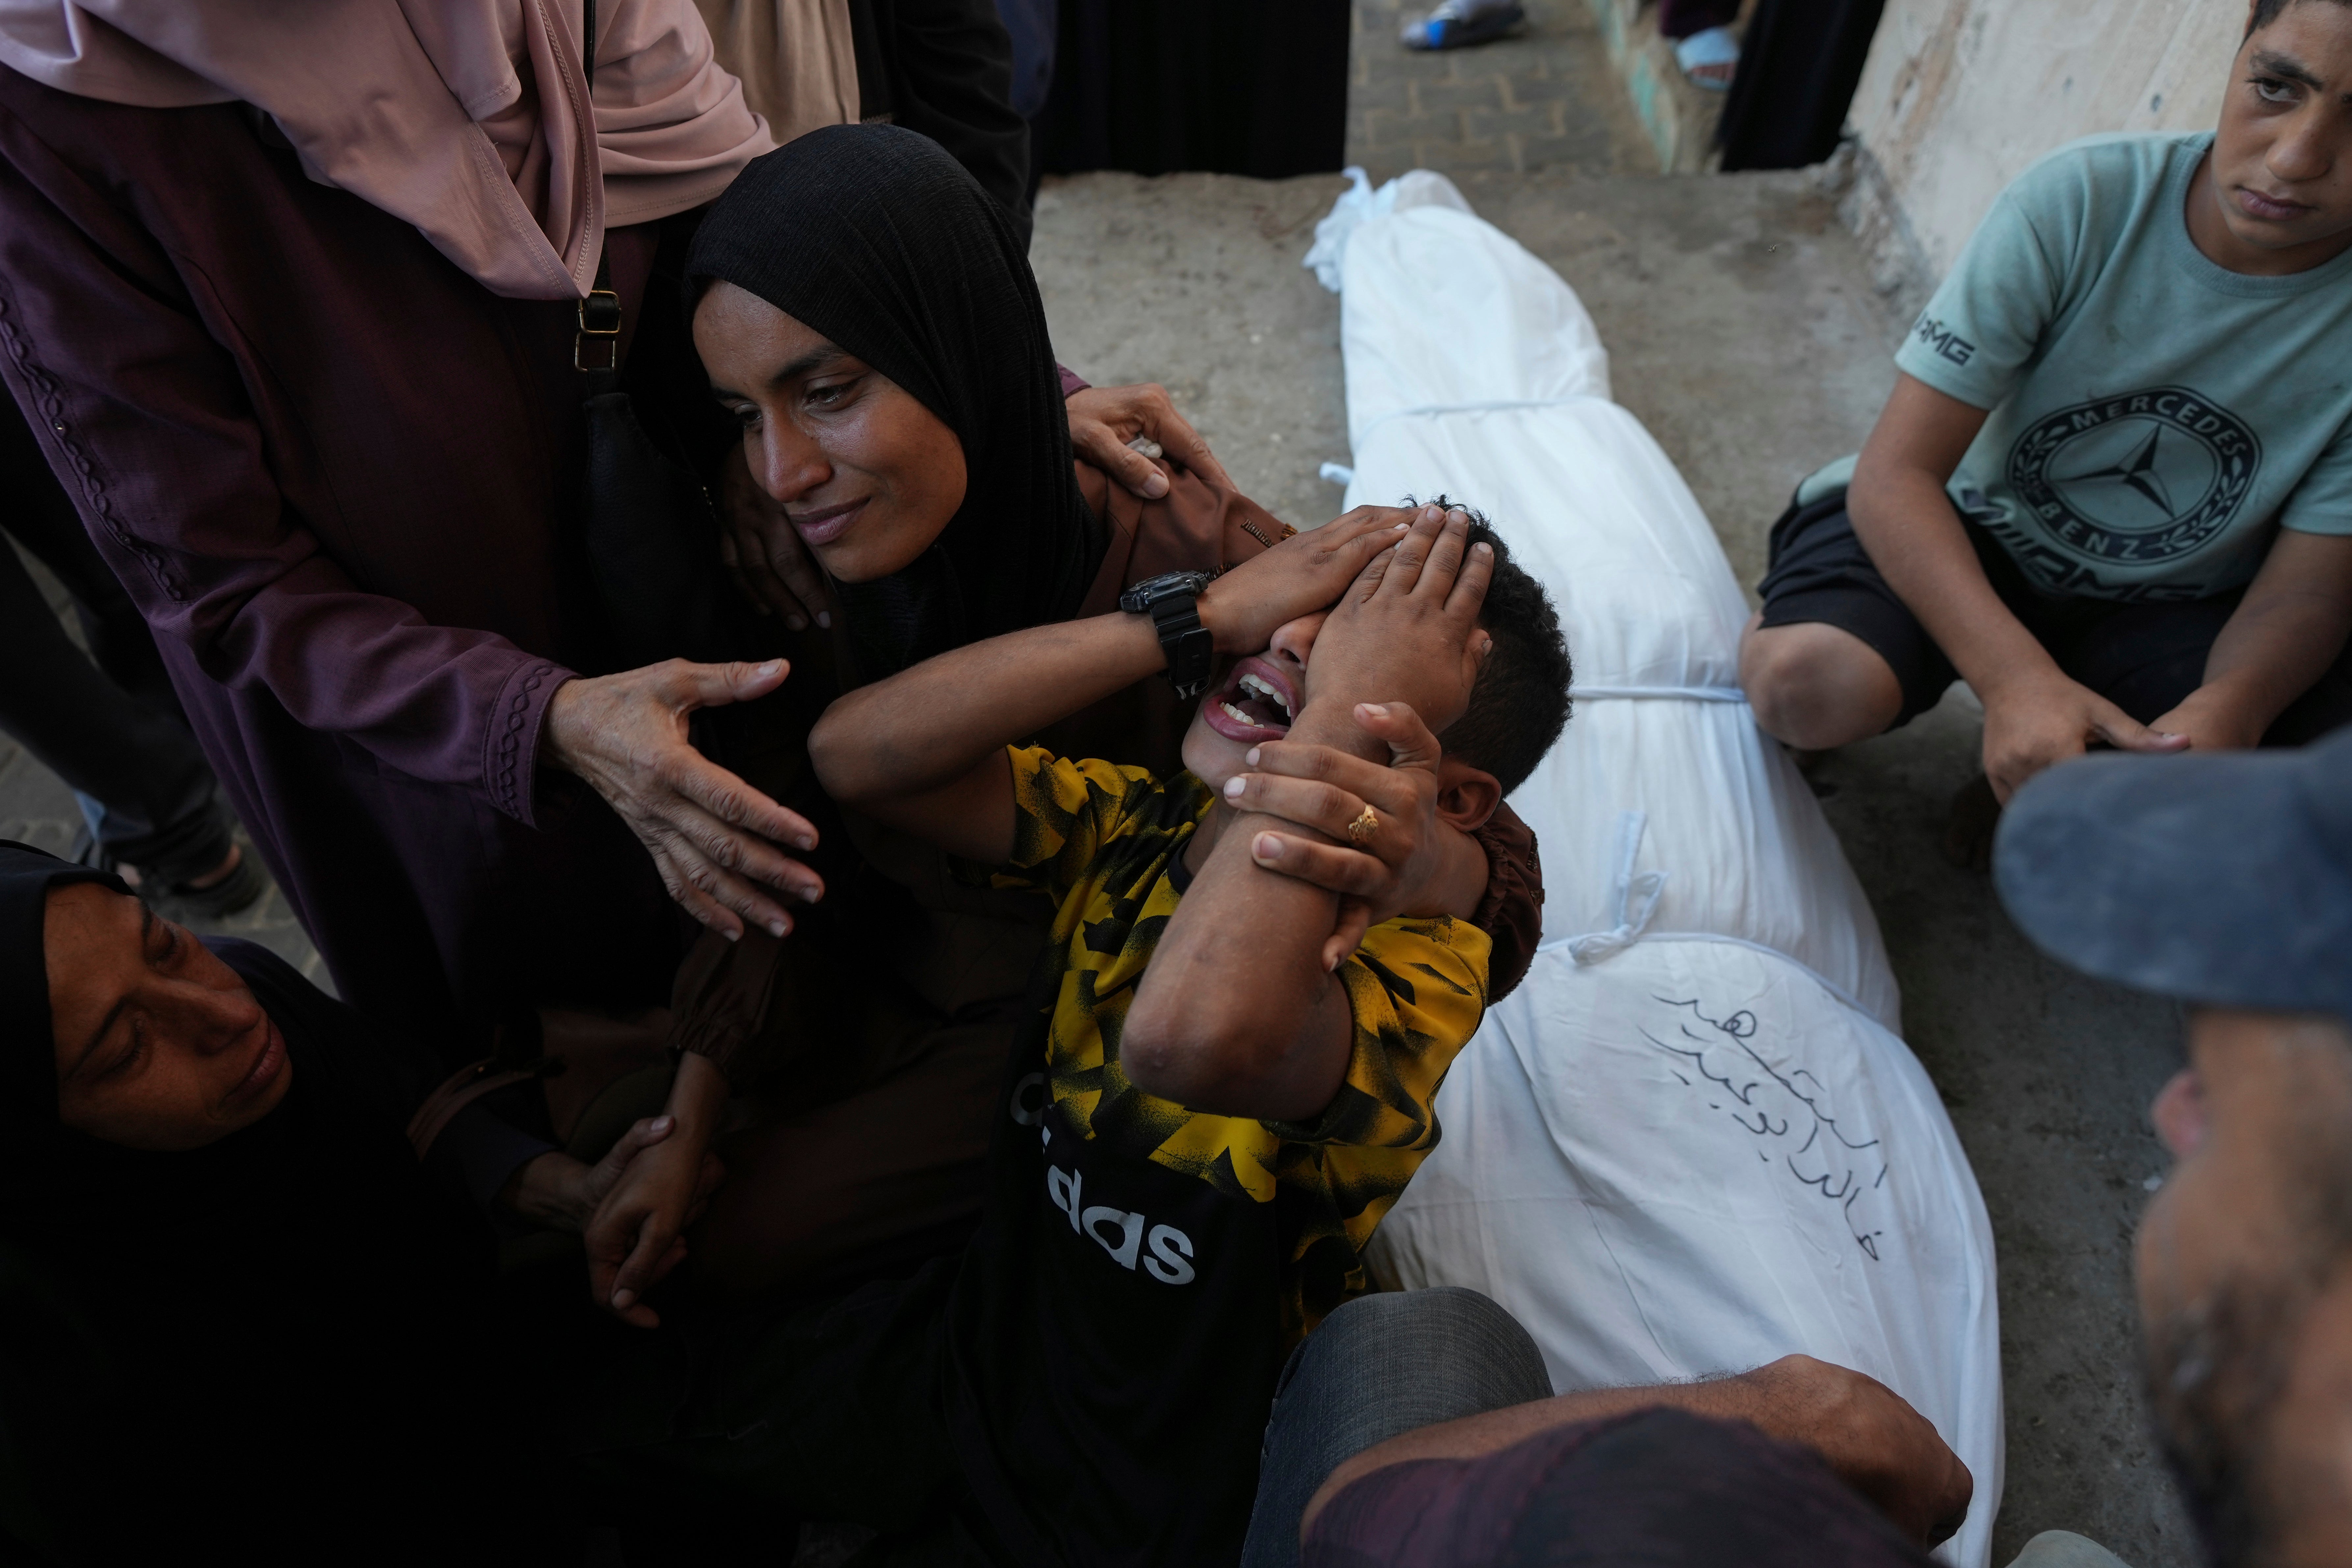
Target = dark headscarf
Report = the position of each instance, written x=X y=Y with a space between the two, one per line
x=875 y=238
x=340 y=1126
x=295 y=1300
x=28 y=1063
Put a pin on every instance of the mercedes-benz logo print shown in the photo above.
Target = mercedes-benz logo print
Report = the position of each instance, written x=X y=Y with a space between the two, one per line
x=2147 y=477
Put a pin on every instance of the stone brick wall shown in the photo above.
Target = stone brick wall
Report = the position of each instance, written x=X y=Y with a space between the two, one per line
x=1544 y=98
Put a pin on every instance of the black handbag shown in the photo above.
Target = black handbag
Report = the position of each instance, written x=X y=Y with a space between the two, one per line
x=646 y=523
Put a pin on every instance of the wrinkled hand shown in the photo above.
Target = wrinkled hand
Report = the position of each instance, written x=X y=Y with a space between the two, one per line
x=1104 y=419
x=637 y=1234
x=712 y=836
x=1407 y=630
x=1324 y=788
x=1871 y=1437
x=2048 y=719
x=764 y=554
x=1306 y=573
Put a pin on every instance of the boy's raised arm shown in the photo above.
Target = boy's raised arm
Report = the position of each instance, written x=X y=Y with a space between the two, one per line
x=1237 y=1014
x=924 y=750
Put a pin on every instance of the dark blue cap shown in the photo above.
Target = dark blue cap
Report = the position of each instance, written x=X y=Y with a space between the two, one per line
x=2224 y=879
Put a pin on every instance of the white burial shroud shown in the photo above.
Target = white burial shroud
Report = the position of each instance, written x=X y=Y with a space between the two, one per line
x=1691 y=1141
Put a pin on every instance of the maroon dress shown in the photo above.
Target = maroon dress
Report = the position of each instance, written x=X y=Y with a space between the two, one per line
x=336 y=474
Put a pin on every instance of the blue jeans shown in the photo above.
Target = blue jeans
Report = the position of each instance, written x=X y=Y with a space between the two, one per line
x=1380 y=1366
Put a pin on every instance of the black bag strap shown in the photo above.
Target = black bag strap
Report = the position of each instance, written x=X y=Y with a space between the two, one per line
x=600 y=313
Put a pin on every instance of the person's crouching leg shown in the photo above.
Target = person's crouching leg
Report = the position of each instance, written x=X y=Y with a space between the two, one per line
x=1817 y=687
x=1380 y=1366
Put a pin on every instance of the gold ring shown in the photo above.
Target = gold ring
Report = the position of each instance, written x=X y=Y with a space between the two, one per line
x=1364 y=825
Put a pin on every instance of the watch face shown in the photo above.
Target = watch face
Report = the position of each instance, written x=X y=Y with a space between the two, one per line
x=1167 y=586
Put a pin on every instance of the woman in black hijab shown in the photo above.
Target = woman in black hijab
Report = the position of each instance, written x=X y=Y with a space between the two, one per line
x=246 y=1320
x=915 y=272
x=869 y=315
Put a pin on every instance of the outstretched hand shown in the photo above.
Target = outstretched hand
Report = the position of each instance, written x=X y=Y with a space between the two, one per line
x=1104 y=419
x=712 y=837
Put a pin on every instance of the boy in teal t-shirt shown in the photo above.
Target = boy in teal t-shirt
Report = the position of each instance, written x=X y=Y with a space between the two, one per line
x=2113 y=489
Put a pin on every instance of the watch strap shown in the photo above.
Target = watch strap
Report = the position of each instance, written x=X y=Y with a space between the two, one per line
x=1190 y=647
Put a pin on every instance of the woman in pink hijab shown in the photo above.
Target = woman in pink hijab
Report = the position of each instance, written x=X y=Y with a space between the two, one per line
x=291 y=295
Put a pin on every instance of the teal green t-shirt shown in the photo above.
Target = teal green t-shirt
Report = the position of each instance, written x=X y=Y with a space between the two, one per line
x=2155 y=417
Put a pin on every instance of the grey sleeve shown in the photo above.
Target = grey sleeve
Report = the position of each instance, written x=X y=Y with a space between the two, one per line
x=2322 y=503
x=1977 y=336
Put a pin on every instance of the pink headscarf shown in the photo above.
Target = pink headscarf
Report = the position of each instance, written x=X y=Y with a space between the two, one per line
x=468 y=118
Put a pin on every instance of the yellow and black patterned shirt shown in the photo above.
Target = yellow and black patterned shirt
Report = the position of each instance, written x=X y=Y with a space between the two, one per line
x=1107 y=844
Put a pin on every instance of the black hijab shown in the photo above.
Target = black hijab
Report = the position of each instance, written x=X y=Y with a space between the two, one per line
x=875 y=238
x=339 y=1129
x=295 y=1300
x=29 y=1068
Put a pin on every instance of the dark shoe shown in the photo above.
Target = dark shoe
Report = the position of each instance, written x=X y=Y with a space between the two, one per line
x=238 y=890
x=1457 y=23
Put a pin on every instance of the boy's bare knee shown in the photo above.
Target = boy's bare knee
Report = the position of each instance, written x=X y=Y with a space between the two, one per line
x=1816 y=685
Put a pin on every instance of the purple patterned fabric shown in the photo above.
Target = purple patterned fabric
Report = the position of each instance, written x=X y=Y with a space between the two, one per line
x=334 y=472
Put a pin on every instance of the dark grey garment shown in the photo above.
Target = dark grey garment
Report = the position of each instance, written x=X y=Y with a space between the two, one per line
x=111 y=729
x=2224 y=879
x=1377 y=1368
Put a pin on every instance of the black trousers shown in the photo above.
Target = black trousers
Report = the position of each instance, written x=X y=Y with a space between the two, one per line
x=2144 y=656
x=112 y=727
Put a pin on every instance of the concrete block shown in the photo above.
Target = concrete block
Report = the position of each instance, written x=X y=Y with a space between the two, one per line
x=1393 y=94
x=1398 y=130
x=1573 y=152
x=1534 y=85
x=1453 y=154
x=1436 y=96
x=1480 y=125
x=1382 y=128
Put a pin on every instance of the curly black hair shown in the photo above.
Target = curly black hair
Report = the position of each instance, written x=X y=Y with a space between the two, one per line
x=1520 y=704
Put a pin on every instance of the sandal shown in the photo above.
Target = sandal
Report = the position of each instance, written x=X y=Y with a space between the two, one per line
x=1457 y=23
x=1709 y=60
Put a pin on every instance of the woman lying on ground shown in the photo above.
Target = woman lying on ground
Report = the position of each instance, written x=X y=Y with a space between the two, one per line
x=246 y=1320
x=869 y=317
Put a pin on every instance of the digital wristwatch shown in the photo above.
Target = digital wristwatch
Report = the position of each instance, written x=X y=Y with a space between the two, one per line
x=1171 y=600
